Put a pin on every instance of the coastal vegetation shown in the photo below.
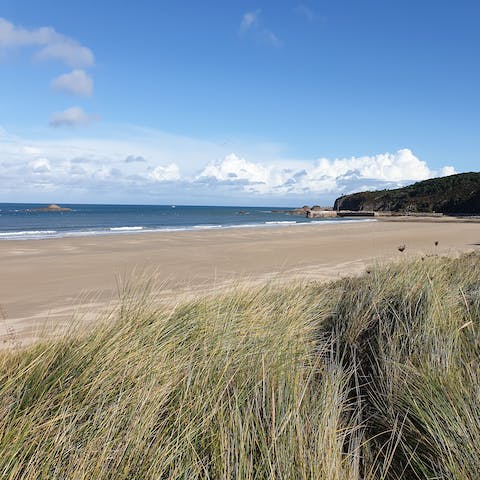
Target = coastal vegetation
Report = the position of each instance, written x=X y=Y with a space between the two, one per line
x=371 y=377
x=455 y=194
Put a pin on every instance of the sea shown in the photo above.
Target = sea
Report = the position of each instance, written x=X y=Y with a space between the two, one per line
x=22 y=221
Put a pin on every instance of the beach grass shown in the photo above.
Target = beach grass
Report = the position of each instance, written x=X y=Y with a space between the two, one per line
x=371 y=377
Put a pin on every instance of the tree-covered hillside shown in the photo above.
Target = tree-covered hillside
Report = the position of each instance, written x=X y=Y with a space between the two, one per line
x=453 y=194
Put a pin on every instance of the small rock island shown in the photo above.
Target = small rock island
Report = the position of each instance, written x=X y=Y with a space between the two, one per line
x=52 y=208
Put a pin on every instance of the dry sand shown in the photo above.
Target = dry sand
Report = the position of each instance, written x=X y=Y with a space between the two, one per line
x=43 y=282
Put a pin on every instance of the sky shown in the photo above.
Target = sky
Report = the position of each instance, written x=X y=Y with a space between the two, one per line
x=268 y=103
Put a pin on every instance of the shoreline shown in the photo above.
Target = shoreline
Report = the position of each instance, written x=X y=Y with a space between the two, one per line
x=140 y=230
x=44 y=283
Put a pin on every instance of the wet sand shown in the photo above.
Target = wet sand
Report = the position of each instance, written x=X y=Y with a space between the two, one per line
x=44 y=282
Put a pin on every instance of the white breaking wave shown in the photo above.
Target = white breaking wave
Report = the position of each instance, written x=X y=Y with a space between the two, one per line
x=206 y=227
x=280 y=222
x=352 y=220
x=246 y=225
x=127 y=229
x=30 y=232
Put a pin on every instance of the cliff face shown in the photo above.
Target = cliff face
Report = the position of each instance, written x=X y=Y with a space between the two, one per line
x=453 y=194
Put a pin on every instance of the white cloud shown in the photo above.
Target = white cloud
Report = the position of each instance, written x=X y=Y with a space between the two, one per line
x=51 y=44
x=448 y=170
x=247 y=176
x=48 y=44
x=168 y=173
x=323 y=176
x=71 y=117
x=41 y=165
x=30 y=150
x=69 y=52
x=171 y=169
x=77 y=170
x=251 y=24
x=77 y=82
x=233 y=168
x=269 y=37
x=133 y=159
x=400 y=166
x=306 y=12
x=249 y=19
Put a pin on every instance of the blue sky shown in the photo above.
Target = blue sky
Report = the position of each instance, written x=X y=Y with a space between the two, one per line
x=248 y=102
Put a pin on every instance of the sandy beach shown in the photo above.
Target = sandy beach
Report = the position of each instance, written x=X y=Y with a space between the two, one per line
x=43 y=283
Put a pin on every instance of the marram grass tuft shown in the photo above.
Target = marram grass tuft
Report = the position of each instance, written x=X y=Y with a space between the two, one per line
x=374 y=377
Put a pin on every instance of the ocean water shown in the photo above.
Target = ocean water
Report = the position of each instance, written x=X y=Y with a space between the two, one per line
x=21 y=221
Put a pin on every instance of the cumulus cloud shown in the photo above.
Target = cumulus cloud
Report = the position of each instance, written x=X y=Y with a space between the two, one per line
x=400 y=166
x=248 y=176
x=322 y=176
x=252 y=25
x=69 y=52
x=167 y=173
x=447 y=170
x=71 y=117
x=41 y=165
x=234 y=168
x=50 y=44
x=77 y=82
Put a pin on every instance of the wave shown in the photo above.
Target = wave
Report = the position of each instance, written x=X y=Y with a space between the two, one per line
x=282 y=222
x=206 y=227
x=29 y=232
x=42 y=234
x=246 y=225
x=121 y=231
x=340 y=220
x=127 y=229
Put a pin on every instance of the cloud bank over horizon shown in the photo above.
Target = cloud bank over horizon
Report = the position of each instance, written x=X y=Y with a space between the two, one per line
x=160 y=168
